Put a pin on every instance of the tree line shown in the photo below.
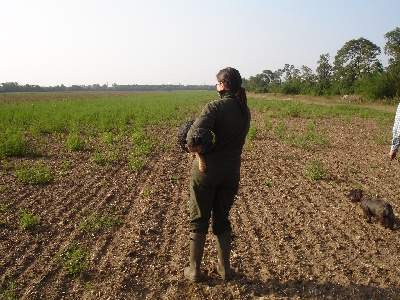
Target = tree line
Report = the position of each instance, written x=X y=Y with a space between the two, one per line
x=355 y=70
x=10 y=87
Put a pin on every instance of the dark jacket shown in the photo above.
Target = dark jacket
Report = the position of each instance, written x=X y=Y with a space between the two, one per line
x=226 y=119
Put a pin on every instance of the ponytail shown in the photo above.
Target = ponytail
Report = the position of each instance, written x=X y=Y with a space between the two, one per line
x=232 y=78
x=242 y=98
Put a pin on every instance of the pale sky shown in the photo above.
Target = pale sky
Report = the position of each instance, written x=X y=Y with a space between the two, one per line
x=84 y=42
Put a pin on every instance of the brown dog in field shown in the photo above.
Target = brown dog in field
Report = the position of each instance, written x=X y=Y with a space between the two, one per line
x=373 y=208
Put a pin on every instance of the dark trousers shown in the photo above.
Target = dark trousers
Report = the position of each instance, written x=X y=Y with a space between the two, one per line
x=211 y=197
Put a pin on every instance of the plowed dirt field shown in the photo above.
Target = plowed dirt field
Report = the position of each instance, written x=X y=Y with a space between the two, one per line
x=294 y=237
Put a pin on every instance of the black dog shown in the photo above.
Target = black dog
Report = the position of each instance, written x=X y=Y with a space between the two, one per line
x=201 y=142
x=373 y=208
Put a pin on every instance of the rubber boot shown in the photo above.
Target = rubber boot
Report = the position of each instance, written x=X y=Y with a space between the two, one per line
x=197 y=242
x=224 y=253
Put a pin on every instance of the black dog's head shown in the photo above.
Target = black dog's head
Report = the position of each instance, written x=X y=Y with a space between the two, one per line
x=204 y=138
x=202 y=141
x=355 y=195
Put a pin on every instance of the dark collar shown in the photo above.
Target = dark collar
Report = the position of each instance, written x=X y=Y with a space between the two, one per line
x=226 y=94
x=363 y=198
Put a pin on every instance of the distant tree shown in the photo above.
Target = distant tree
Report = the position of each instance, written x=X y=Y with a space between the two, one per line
x=290 y=73
x=324 y=69
x=291 y=84
x=9 y=87
x=257 y=84
x=392 y=47
x=357 y=58
x=269 y=76
x=392 y=76
x=307 y=79
x=324 y=76
x=374 y=86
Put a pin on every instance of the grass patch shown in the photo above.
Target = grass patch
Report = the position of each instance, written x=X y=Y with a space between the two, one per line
x=8 y=291
x=307 y=139
x=137 y=163
x=302 y=140
x=97 y=113
x=38 y=173
x=146 y=192
x=315 y=170
x=91 y=222
x=297 y=109
x=104 y=157
x=268 y=124
x=75 y=142
x=28 y=221
x=74 y=259
x=13 y=144
x=252 y=134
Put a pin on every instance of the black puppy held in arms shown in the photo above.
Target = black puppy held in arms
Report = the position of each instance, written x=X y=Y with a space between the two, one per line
x=201 y=142
x=373 y=208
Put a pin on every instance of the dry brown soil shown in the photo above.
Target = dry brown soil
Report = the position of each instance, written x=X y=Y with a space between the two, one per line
x=294 y=238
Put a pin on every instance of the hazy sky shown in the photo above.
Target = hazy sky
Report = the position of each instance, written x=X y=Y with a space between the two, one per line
x=84 y=42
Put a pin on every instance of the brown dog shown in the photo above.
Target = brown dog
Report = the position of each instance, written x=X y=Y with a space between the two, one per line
x=373 y=208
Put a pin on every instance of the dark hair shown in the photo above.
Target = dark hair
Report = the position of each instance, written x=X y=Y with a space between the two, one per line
x=232 y=79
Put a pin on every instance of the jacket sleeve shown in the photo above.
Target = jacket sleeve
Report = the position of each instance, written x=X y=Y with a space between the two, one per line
x=396 y=131
x=206 y=119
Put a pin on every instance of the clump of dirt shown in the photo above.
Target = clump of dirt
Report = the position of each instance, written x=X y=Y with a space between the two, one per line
x=294 y=237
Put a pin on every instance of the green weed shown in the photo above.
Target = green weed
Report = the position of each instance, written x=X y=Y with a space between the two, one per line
x=74 y=259
x=304 y=140
x=104 y=157
x=315 y=170
x=28 y=221
x=6 y=165
x=137 y=163
x=75 y=142
x=91 y=222
x=308 y=139
x=142 y=144
x=107 y=138
x=13 y=144
x=38 y=173
x=103 y=182
x=65 y=166
x=280 y=131
x=3 y=208
x=268 y=183
x=146 y=192
x=8 y=292
x=268 y=125
x=252 y=134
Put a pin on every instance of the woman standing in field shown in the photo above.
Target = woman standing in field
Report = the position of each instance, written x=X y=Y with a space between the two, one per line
x=212 y=193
